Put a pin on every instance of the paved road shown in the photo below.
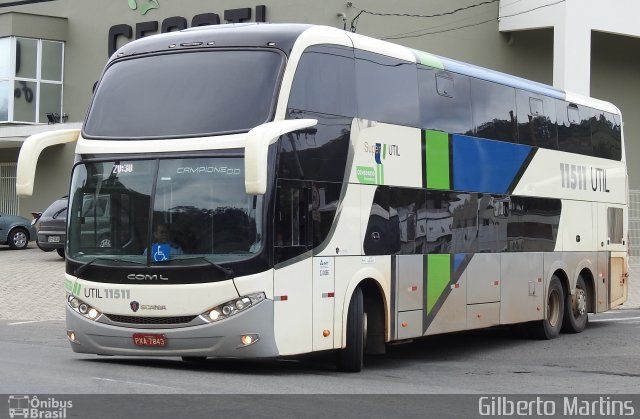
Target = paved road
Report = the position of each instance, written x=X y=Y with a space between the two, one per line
x=32 y=331
x=603 y=359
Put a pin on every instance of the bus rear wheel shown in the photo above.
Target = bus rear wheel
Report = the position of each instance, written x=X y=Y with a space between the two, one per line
x=351 y=358
x=550 y=326
x=576 y=309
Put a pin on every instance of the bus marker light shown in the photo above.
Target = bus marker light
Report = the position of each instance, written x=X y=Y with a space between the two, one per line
x=247 y=340
x=496 y=283
x=280 y=298
x=328 y=295
x=326 y=333
x=413 y=288
x=405 y=324
x=455 y=286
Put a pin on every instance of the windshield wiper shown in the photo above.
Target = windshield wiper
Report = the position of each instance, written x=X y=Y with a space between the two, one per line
x=80 y=269
x=227 y=271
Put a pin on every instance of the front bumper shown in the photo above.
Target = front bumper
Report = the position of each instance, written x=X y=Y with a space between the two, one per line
x=218 y=339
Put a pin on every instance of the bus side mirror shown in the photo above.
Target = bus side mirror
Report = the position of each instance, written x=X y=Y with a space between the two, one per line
x=257 y=149
x=31 y=150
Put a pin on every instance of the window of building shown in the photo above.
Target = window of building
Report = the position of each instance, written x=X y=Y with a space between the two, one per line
x=31 y=73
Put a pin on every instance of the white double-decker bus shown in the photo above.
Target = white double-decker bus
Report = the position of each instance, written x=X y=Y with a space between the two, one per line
x=269 y=190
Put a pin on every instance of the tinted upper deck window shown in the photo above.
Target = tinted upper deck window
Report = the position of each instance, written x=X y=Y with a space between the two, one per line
x=574 y=128
x=536 y=120
x=185 y=94
x=494 y=110
x=325 y=81
x=605 y=135
x=445 y=101
x=386 y=89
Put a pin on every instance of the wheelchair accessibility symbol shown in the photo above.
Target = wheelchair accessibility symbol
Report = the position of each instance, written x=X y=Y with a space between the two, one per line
x=160 y=252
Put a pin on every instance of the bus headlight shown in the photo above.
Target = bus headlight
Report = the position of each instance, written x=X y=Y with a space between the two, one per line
x=83 y=308
x=230 y=308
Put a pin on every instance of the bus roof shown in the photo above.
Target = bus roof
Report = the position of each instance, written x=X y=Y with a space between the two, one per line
x=281 y=36
x=284 y=35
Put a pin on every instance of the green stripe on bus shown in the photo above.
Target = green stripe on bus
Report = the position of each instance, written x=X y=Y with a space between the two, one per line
x=427 y=59
x=437 y=158
x=380 y=174
x=438 y=278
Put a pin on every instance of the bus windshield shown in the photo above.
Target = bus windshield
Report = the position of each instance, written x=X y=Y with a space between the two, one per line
x=158 y=211
x=185 y=94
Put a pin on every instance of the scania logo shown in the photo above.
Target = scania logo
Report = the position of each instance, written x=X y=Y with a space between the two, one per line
x=147 y=277
x=134 y=306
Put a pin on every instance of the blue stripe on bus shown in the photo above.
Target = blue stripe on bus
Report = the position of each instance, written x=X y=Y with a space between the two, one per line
x=481 y=165
x=458 y=258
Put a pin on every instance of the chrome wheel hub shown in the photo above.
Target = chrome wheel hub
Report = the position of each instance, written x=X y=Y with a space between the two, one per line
x=20 y=239
x=580 y=305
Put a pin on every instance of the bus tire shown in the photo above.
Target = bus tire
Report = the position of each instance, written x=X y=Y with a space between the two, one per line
x=576 y=308
x=350 y=359
x=549 y=327
x=60 y=251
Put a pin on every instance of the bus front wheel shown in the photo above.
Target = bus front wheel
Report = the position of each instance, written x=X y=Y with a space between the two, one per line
x=350 y=359
x=576 y=308
x=550 y=326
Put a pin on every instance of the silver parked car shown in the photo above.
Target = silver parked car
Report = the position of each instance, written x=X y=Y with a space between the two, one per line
x=15 y=231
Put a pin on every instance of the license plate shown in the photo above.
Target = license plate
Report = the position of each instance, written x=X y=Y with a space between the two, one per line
x=53 y=239
x=149 y=339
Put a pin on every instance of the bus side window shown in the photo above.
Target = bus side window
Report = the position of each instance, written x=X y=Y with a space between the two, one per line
x=324 y=203
x=377 y=238
x=292 y=224
x=574 y=128
x=323 y=89
x=605 y=135
x=386 y=89
x=494 y=111
x=536 y=120
x=324 y=82
x=407 y=231
x=445 y=101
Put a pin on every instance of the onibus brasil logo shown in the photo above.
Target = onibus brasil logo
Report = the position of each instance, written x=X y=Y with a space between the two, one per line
x=32 y=407
x=149 y=5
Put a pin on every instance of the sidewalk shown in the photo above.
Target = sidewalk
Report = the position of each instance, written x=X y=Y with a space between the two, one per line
x=633 y=299
x=31 y=284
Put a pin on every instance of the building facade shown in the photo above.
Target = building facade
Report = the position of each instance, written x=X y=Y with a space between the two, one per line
x=52 y=52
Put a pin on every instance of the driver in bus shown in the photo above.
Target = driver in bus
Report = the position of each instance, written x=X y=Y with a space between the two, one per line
x=163 y=247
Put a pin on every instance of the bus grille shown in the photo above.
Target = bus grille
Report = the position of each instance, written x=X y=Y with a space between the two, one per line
x=150 y=320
